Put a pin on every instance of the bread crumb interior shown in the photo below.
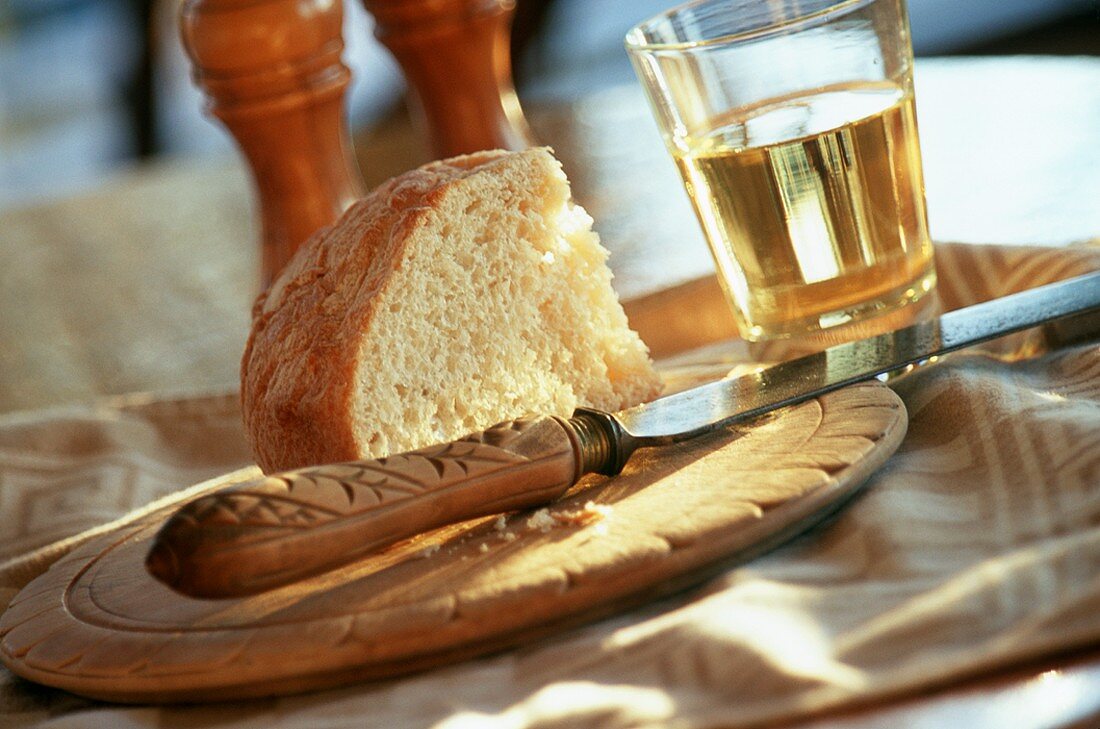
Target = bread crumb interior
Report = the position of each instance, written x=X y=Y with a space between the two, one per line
x=501 y=306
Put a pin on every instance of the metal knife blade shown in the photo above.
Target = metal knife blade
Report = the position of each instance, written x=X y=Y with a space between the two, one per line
x=695 y=411
x=298 y=524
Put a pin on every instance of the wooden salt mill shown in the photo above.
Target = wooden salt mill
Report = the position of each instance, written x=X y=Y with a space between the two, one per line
x=456 y=56
x=272 y=73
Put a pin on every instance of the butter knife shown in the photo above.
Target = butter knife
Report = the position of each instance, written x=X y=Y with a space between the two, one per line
x=285 y=527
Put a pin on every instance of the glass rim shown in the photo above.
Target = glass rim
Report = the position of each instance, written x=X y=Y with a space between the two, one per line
x=798 y=22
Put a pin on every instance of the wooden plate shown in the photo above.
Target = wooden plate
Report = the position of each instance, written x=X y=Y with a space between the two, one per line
x=97 y=624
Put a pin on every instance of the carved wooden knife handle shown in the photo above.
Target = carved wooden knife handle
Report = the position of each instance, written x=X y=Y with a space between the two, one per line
x=293 y=525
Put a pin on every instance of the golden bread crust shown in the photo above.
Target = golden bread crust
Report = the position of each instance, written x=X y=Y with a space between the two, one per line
x=299 y=364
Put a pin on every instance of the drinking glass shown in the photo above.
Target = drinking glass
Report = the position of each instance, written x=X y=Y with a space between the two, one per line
x=793 y=126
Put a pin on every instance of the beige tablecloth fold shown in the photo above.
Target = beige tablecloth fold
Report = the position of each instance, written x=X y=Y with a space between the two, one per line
x=976 y=547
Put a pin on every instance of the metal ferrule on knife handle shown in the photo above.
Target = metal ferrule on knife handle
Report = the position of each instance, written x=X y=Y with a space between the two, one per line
x=603 y=445
x=294 y=525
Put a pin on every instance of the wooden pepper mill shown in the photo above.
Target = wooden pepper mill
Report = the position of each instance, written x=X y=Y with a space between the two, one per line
x=456 y=56
x=272 y=73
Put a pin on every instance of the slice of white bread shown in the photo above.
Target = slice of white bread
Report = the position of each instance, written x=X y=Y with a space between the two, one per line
x=453 y=297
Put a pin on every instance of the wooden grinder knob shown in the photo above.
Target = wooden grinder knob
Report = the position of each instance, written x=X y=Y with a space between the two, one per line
x=272 y=73
x=456 y=56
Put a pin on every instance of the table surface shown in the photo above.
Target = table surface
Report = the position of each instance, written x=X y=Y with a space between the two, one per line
x=146 y=283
